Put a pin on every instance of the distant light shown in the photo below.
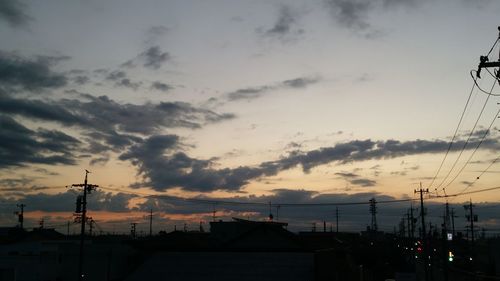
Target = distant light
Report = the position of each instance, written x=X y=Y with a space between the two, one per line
x=416 y=257
x=470 y=258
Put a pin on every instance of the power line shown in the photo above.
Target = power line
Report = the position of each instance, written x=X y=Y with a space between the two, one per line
x=454 y=135
x=465 y=193
x=474 y=152
x=461 y=117
x=466 y=142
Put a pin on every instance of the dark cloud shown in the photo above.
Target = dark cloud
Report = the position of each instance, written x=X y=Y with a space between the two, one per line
x=152 y=58
x=21 y=146
x=347 y=175
x=127 y=83
x=256 y=92
x=116 y=75
x=13 y=12
x=363 y=182
x=81 y=79
x=248 y=93
x=162 y=168
x=121 y=80
x=352 y=217
x=160 y=86
x=99 y=161
x=350 y=14
x=155 y=32
x=356 y=179
x=107 y=125
x=401 y=3
x=29 y=74
x=65 y=201
x=109 y=117
x=20 y=183
x=283 y=29
x=355 y=15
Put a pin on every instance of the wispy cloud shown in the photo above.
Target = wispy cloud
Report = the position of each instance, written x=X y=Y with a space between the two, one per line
x=251 y=93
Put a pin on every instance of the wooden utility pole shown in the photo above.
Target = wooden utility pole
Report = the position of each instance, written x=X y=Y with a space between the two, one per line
x=87 y=189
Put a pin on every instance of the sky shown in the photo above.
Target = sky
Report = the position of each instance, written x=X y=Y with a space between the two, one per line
x=249 y=101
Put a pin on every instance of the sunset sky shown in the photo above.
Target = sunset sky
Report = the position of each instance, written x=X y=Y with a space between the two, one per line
x=253 y=101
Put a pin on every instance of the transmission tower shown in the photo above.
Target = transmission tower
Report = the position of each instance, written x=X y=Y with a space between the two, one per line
x=20 y=214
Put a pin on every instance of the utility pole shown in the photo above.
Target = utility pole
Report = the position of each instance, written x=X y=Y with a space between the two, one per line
x=453 y=221
x=485 y=63
x=90 y=222
x=337 y=219
x=424 y=238
x=213 y=213
x=87 y=188
x=373 y=211
x=408 y=221
x=444 y=235
x=278 y=212
x=20 y=214
x=270 y=211
x=150 y=222
x=133 y=227
x=412 y=222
